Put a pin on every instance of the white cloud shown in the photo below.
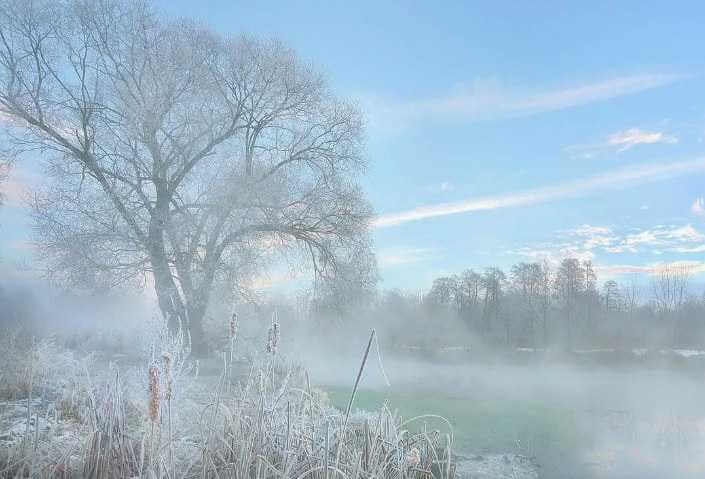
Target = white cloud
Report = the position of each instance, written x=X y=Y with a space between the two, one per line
x=693 y=267
x=678 y=239
x=620 y=178
x=667 y=237
x=627 y=139
x=691 y=249
x=619 y=142
x=600 y=91
x=698 y=207
x=403 y=255
x=488 y=99
x=588 y=237
x=586 y=241
x=590 y=230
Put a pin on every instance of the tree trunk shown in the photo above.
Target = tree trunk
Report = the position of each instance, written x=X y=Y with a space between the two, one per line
x=188 y=316
x=196 y=313
x=186 y=313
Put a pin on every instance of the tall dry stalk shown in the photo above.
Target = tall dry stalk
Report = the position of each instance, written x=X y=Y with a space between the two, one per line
x=273 y=336
x=232 y=333
x=167 y=396
x=232 y=336
x=154 y=410
x=357 y=379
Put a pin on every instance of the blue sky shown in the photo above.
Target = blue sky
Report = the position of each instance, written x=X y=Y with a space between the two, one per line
x=507 y=132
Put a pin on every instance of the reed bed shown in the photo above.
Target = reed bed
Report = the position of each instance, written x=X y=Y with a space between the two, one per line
x=267 y=423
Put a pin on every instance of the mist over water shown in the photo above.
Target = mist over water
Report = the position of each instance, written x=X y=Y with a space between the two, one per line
x=588 y=413
x=625 y=422
x=580 y=415
x=439 y=242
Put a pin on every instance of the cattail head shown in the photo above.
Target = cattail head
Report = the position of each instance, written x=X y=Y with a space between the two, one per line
x=154 y=393
x=413 y=458
x=233 y=327
x=166 y=356
x=273 y=336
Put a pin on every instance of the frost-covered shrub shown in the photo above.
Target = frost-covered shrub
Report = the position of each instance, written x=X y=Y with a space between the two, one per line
x=37 y=366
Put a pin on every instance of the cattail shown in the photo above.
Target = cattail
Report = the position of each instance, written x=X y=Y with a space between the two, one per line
x=154 y=394
x=270 y=341
x=273 y=336
x=233 y=327
x=413 y=458
x=166 y=356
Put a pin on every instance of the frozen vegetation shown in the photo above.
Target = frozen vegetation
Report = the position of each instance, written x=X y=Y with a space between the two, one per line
x=184 y=168
x=66 y=414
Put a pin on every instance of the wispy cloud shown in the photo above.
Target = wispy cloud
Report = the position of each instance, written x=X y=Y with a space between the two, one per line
x=690 y=249
x=679 y=239
x=698 y=207
x=397 y=256
x=587 y=241
x=593 y=92
x=489 y=99
x=619 y=142
x=620 y=178
x=591 y=230
x=627 y=139
x=693 y=267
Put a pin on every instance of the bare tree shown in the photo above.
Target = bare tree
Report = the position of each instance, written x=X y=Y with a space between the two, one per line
x=569 y=286
x=180 y=157
x=469 y=285
x=630 y=296
x=611 y=296
x=443 y=295
x=351 y=291
x=670 y=285
x=545 y=297
x=590 y=297
x=526 y=282
x=493 y=281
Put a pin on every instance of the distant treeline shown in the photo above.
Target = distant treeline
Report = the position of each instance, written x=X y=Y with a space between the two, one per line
x=536 y=305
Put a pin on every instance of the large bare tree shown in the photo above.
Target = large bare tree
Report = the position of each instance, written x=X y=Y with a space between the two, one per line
x=179 y=156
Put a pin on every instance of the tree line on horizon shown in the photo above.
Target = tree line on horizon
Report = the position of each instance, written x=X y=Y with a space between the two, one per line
x=537 y=305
